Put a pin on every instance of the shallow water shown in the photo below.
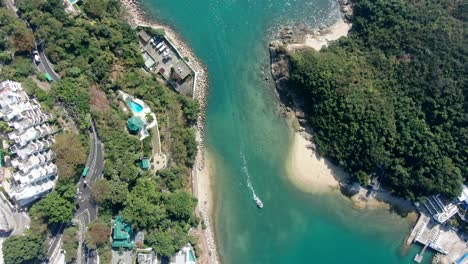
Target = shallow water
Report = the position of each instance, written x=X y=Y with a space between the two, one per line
x=243 y=122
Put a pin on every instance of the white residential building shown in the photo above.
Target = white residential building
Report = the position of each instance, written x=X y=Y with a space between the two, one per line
x=35 y=173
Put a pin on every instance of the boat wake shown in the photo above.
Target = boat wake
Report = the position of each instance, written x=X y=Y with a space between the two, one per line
x=245 y=170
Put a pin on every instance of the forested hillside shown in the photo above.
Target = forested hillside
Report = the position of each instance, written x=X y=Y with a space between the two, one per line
x=96 y=54
x=392 y=96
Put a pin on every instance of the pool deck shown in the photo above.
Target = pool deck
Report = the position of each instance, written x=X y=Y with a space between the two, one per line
x=142 y=114
x=159 y=159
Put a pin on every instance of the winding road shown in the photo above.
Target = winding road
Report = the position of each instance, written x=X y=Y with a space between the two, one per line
x=44 y=65
x=86 y=209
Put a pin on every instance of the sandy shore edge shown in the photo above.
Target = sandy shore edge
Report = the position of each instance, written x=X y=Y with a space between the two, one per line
x=202 y=183
x=319 y=40
x=312 y=173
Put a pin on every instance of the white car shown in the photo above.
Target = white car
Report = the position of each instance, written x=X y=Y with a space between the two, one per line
x=37 y=58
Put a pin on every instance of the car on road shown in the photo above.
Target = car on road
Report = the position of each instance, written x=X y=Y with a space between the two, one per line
x=36 y=56
x=48 y=77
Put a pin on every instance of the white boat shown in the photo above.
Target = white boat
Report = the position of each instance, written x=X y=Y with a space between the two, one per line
x=258 y=201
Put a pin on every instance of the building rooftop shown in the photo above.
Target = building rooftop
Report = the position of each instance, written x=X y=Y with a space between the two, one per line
x=144 y=36
x=31 y=139
x=135 y=124
x=122 y=234
x=182 y=69
x=145 y=164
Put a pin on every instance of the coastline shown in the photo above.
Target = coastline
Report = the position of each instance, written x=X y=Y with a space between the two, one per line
x=306 y=169
x=321 y=38
x=202 y=183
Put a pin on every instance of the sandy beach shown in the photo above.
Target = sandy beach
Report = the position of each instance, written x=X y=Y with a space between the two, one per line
x=323 y=37
x=205 y=187
x=310 y=172
x=315 y=174
x=306 y=169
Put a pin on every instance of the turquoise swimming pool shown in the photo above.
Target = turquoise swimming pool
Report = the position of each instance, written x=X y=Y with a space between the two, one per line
x=191 y=256
x=137 y=108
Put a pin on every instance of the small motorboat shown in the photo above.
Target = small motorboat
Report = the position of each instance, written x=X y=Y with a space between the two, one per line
x=258 y=201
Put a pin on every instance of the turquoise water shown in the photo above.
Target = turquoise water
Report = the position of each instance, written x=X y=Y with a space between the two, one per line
x=191 y=256
x=137 y=108
x=248 y=140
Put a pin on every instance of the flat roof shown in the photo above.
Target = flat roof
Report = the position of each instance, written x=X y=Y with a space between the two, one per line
x=182 y=69
x=144 y=163
x=149 y=61
x=144 y=36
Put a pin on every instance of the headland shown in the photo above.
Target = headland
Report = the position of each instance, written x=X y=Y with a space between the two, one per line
x=202 y=184
x=306 y=168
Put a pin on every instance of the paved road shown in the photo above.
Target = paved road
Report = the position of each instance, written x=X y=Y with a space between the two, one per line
x=87 y=210
x=44 y=65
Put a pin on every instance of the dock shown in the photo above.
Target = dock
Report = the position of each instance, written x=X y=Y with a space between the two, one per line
x=439 y=238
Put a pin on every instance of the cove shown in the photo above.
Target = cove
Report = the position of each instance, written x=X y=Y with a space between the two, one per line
x=249 y=141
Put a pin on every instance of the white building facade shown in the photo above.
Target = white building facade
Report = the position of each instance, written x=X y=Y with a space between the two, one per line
x=34 y=173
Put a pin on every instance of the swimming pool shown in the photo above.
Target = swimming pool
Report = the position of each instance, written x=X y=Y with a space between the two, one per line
x=72 y=1
x=137 y=108
x=191 y=256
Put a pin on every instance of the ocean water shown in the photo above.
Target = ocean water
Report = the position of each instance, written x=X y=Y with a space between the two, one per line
x=248 y=140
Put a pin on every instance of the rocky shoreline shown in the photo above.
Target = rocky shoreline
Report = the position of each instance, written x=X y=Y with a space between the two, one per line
x=292 y=39
x=137 y=17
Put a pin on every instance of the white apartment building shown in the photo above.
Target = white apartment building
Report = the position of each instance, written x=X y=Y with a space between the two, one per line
x=35 y=173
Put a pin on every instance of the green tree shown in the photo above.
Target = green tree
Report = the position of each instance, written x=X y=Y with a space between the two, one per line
x=4 y=127
x=167 y=242
x=191 y=109
x=109 y=193
x=180 y=205
x=172 y=177
x=53 y=209
x=70 y=243
x=96 y=8
x=74 y=94
x=378 y=102
x=143 y=208
x=24 y=249
x=71 y=155
x=98 y=233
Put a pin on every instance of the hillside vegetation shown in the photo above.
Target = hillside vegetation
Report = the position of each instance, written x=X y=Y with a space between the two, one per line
x=392 y=96
x=96 y=54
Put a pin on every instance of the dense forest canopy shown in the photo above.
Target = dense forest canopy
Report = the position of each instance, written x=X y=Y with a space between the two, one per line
x=391 y=98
